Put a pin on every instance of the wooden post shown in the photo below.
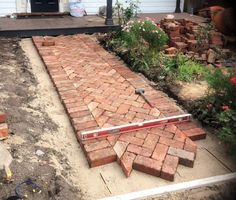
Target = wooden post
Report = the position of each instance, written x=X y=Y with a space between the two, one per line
x=177 y=9
x=109 y=20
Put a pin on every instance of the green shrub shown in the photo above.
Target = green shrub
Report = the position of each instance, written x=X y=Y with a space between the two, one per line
x=183 y=69
x=219 y=108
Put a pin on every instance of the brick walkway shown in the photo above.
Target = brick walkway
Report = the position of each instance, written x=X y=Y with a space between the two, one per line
x=98 y=91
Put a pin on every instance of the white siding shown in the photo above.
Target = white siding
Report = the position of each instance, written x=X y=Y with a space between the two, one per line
x=146 y=6
x=7 y=7
x=92 y=6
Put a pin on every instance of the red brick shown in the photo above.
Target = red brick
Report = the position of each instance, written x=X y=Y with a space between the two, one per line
x=179 y=136
x=102 y=120
x=126 y=163
x=160 y=152
x=186 y=158
x=112 y=139
x=96 y=145
x=170 y=128
x=48 y=43
x=3 y=131
x=120 y=148
x=195 y=134
x=83 y=119
x=3 y=117
x=172 y=143
x=131 y=139
x=77 y=109
x=142 y=134
x=165 y=134
x=169 y=167
x=190 y=36
x=180 y=46
x=85 y=125
x=151 y=141
x=190 y=146
x=139 y=110
x=147 y=165
x=79 y=114
x=171 y=50
x=186 y=125
x=107 y=107
x=101 y=157
x=134 y=148
x=123 y=109
x=154 y=112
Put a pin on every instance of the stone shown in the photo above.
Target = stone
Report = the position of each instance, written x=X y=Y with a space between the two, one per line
x=211 y=56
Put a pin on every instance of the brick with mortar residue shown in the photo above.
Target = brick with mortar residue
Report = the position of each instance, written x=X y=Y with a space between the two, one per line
x=131 y=139
x=160 y=152
x=3 y=117
x=172 y=143
x=169 y=167
x=190 y=146
x=101 y=157
x=126 y=163
x=96 y=145
x=151 y=141
x=186 y=158
x=120 y=148
x=147 y=165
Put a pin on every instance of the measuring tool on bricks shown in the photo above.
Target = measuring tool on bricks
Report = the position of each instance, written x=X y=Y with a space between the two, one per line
x=87 y=135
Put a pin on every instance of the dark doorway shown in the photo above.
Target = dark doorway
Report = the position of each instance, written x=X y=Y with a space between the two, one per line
x=44 y=5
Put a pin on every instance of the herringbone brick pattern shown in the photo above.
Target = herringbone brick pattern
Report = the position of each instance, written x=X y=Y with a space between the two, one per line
x=98 y=91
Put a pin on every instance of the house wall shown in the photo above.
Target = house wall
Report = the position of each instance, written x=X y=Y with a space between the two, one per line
x=91 y=6
x=7 y=7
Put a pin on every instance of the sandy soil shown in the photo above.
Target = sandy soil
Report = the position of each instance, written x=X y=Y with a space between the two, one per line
x=30 y=125
x=37 y=121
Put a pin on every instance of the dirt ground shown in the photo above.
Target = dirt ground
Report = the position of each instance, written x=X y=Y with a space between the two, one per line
x=29 y=123
x=37 y=121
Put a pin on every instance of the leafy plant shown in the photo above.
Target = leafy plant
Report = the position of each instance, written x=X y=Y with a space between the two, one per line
x=144 y=40
x=183 y=69
x=123 y=13
x=203 y=31
x=219 y=108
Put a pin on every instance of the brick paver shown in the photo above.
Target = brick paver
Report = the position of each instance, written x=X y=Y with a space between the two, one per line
x=98 y=91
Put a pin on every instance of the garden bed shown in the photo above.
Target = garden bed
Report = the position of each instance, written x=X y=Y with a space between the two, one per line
x=200 y=75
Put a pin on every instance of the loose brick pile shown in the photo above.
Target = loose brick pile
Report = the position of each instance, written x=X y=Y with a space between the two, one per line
x=98 y=91
x=183 y=38
x=3 y=126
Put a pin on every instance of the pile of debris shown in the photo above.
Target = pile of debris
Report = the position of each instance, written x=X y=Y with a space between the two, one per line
x=4 y=133
x=196 y=42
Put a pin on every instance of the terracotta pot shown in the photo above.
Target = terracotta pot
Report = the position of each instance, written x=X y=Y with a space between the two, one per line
x=224 y=21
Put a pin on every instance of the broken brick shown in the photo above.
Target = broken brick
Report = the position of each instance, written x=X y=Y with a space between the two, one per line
x=3 y=131
x=120 y=148
x=3 y=117
x=126 y=163
x=171 y=50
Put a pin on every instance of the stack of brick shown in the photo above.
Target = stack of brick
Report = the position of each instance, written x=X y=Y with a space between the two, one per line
x=183 y=38
x=4 y=133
